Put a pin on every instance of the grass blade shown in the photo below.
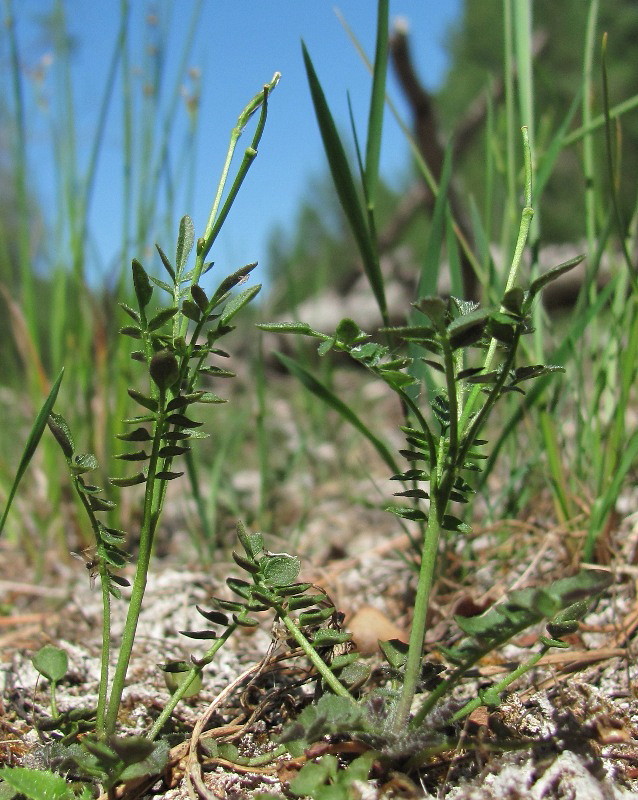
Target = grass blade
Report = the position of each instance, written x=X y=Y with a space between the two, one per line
x=345 y=186
x=32 y=442
x=429 y=277
x=604 y=504
x=377 y=104
x=329 y=398
x=558 y=357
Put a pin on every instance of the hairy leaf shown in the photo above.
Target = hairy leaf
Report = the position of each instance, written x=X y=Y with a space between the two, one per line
x=185 y=240
x=141 y=283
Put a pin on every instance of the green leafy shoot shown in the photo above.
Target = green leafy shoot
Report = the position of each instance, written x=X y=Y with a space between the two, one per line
x=39 y=426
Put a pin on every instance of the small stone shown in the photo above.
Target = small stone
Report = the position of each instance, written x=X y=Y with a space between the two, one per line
x=369 y=625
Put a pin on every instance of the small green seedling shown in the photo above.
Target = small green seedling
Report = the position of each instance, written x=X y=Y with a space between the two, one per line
x=51 y=662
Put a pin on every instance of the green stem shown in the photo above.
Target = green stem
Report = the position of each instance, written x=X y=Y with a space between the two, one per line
x=106 y=652
x=477 y=702
x=106 y=607
x=315 y=659
x=421 y=603
x=193 y=673
x=523 y=232
x=149 y=522
x=588 y=139
x=215 y=220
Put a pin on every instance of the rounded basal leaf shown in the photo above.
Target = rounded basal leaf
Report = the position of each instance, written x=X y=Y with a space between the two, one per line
x=164 y=369
x=280 y=570
x=52 y=662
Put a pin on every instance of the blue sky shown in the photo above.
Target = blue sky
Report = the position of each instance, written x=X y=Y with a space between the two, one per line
x=238 y=46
